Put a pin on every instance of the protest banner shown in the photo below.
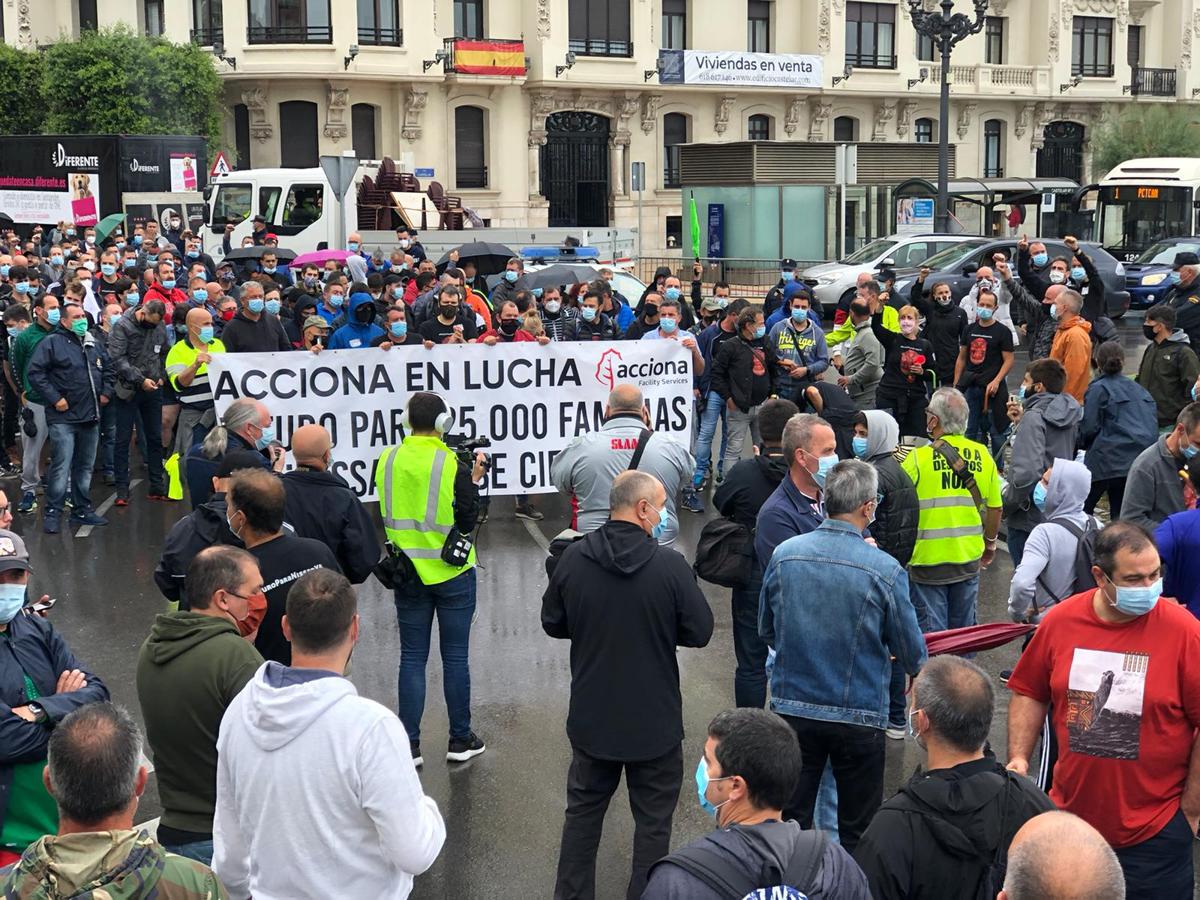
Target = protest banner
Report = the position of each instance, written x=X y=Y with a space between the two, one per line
x=530 y=400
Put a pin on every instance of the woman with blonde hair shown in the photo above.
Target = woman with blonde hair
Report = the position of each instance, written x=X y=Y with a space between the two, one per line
x=908 y=370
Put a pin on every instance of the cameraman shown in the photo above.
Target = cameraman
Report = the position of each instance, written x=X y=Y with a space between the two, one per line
x=427 y=495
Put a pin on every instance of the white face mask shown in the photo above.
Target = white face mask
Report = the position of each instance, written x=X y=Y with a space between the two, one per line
x=1057 y=277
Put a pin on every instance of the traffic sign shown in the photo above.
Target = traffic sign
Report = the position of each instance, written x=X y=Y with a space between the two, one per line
x=340 y=172
x=220 y=165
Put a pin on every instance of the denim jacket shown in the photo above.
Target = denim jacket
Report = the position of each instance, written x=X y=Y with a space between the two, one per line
x=837 y=610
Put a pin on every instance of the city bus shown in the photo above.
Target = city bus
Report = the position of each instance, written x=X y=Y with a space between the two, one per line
x=1143 y=201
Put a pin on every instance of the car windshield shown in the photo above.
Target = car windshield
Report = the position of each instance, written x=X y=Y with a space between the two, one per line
x=870 y=253
x=1163 y=253
x=949 y=257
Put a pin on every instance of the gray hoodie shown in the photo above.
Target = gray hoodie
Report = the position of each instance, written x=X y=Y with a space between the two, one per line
x=1047 y=570
x=1047 y=432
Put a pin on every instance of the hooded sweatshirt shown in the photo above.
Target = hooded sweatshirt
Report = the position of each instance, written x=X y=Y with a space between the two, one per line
x=935 y=838
x=899 y=512
x=357 y=824
x=189 y=670
x=355 y=335
x=1047 y=571
x=1047 y=432
x=109 y=865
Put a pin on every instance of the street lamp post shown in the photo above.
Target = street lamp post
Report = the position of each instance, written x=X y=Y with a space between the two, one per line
x=945 y=29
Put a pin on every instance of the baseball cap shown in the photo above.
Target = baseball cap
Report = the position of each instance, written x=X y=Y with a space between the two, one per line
x=315 y=322
x=260 y=219
x=13 y=554
x=711 y=304
x=270 y=236
x=787 y=263
x=1186 y=258
x=886 y=275
x=236 y=460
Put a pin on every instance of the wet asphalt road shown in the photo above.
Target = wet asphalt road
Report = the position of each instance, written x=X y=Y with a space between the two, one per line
x=503 y=809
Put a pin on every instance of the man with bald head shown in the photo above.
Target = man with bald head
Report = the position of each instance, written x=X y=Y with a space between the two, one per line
x=187 y=369
x=586 y=469
x=617 y=587
x=1059 y=856
x=321 y=505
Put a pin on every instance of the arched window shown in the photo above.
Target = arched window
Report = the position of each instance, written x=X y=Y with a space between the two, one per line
x=758 y=128
x=993 y=149
x=362 y=130
x=470 y=147
x=675 y=132
x=923 y=132
x=298 y=135
x=845 y=129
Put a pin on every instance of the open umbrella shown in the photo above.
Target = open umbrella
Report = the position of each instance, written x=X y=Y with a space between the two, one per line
x=108 y=225
x=957 y=641
x=318 y=258
x=557 y=276
x=5 y=219
x=257 y=251
x=489 y=258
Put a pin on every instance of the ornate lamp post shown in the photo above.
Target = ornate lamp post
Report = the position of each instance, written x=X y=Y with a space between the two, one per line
x=945 y=29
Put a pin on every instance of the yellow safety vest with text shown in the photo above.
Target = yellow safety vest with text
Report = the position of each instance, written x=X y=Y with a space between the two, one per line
x=415 y=485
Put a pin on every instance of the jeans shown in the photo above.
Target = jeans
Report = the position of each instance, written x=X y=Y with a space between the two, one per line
x=738 y=425
x=897 y=712
x=987 y=427
x=1160 y=868
x=942 y=606
x=653 y=795
x=713 y=410
x=1016 y=544
x=856 y=753
x=825 y=816
x=31 y=449
x=1115 y=487
x=145 y=409
x=454 y=603
x=108 y=439
x=201 y=851
x=72 y=454
x=11 y=421
x=750 y=650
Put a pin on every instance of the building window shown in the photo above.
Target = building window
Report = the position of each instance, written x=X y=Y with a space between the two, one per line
x=758 y=26
x=923 y=131
x=993 y=149
x=470 y=148
x=924 y=48
x=298 y=135
x=206 y=23
x=468 y=19
x=241 y=135
x=871 y=35
x=1091 y=47
x=993 y=36
x=88 y=20
x=1133 y=49
x=289 y=22
x=379 y=23
x=674 y=231
x=674 y=24
x=362 y=130
x=758 y=128
x=152 y=16
x=675 y=132
x=599 y=28
x=845 y=129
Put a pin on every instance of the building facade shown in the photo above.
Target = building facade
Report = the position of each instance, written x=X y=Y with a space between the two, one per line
x=555 y=145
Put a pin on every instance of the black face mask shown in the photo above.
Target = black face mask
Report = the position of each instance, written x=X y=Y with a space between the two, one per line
x=650 y=310
x=509 y=326
x=364 y=314
x=1149 y=332
x=448 y=312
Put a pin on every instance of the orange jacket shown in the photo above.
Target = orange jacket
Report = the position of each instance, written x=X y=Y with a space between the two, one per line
x=1073 y=348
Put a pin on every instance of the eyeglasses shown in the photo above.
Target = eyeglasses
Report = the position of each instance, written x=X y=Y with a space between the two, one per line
x=4 y=510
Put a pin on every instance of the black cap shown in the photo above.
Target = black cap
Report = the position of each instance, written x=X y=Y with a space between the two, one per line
x=260 y=219
x=236 y=460
x=1186 y=258
x=787 y=263
x=887 y=275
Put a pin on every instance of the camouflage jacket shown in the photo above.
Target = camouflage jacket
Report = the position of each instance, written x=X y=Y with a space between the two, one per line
x=106 y=865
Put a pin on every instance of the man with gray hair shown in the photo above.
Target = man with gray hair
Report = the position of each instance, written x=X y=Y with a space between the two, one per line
x=946 y=833
x=958 y=492
x=246 y=425
x=588 y=466
x=617 y=587
x=829 y=595
x=251 y=330
x=96 y=777
x=1039 y=869
x=137 y=349
x=1184 y=295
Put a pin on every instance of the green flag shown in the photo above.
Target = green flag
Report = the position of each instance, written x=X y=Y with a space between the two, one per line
x=695 y=225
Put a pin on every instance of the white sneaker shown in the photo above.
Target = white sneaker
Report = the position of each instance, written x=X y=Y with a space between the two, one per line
x=896 y=734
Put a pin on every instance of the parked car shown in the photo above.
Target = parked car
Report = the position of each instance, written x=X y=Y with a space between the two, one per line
x=957 y=265
x=833 y=282
x=1146 y=277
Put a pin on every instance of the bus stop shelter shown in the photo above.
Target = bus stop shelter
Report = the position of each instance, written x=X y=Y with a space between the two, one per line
x=1052 y=197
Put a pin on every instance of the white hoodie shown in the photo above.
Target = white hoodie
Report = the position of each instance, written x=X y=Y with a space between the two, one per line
x=317 y=795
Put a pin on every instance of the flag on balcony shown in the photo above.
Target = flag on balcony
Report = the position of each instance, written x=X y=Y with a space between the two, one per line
x=489 y=57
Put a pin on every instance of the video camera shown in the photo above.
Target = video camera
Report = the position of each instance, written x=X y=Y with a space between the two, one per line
x=465 y=449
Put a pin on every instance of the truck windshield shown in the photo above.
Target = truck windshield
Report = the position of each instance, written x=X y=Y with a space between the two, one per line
x=231 y=206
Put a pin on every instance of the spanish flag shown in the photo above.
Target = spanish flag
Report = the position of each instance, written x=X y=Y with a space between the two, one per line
x=489 y=57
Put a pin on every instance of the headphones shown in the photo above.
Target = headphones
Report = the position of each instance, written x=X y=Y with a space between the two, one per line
x=441 y=424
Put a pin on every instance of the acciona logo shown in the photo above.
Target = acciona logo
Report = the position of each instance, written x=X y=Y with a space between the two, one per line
x=135 y=166
x=60 y=158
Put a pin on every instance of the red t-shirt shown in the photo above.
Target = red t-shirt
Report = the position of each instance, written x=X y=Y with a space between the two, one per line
x=1125 y=704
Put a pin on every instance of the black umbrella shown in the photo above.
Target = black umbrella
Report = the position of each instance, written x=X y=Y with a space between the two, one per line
x=558 y=275
x=5 y=219
x=257 y=251
x=489 y=258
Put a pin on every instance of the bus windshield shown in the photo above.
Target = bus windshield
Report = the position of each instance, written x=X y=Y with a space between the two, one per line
x=1132 y=217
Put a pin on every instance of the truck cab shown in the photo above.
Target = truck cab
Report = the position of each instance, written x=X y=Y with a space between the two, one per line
x=297 y=205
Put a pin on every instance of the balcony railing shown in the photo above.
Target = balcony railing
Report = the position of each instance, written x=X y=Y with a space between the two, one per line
x=1153 y=82
x=207 y=37
x=1092 y=69
x=467 y=177
x=985 y=77
x=870 y=61
x=289 y=34
x=600 y=47
x=380 y=37
x=476 y=61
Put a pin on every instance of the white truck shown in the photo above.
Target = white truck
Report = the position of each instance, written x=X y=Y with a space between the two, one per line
x=300 y=208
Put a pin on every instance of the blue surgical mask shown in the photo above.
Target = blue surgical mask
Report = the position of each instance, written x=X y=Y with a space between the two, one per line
x=664 y=521
x=200 y=295
x=108 y=269
x=4 y=270
x=859 y=445
x=114 y=319
x=12 y=601
x=1137 y=601
x=206 y=334
x=537 y=292
x=56 y=260
x=511 y=275
x=14 y=332
x=1173 y=278
x=1040 y=259
x=671 y=293
x=53 y=316
x=1021 y=393
x=352 y=246
x=256 y=305
x=1039 y=495
x=128 y=264
x=1190 y=451
x=824 y=466
x=760 y=331
x=268 y=435
x=398 y=329
x=169 y=283
x=273 y=307
x=668 y=326
x=398 y=292
x=785 y=275
x=270 y=270
x=193 y=254
x=336 y=300
x=1193 y=393
x=1078 y=273
x=985 y=314
x=588 y=314
x=23 y=287
x=799 y=315
x=702 y=783
x=137 y=240
x=132 y=298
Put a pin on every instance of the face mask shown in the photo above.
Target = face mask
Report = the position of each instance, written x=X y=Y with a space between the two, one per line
x=193 y=254
x=785 y=275
x=137 y=240
x=79 y=326
x=13 y=332
x=984 y=284
x=256 y=305
x=1040 y=259
x=510 y=275
x=336 y=300
x=53 y=316
x=553 y=306
x=1078 y=273
x=824 y=466
x=799 y=315
x=1189 y=451
x=509 y=326
x=4 y=270
x=129 y=263
x=650 y=310
x=1039 y=495
x=859 y=445
x=589 y=314
x=398 y=293
x=1058 y=277
x=398 y=329
x=985 y=314
x=180 y=328
x=702 y=783
x=405 y=243
x=537 y=293
x=175 y=223
x=273 y=307
x=200 y=295
x=169 y=284
x=70 y=232
x=664 y=521
x=672 y=293
x=1193 y=393
x=448 y=312
x=1173 y=278
x=1021 y=393
x=22 y=287
x=114 y=319
x=908 y=323
x=228 y=314
x=1150 y=333
x=206 y=334
x=1054 y=310
x=912 y=731
x=270 y=270
x=56 y=260
x=1137 y=601
x=352 y=245
x=268 y=435
x=12 y=600
x=668 y=326
x=108 y=269
x=90 y=266
x=310 y=281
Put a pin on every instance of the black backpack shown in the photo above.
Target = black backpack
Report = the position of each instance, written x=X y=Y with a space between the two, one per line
x=725 y=553
x=1085 y=558
x=732 y=881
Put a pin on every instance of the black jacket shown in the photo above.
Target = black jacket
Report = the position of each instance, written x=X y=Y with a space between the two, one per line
x=625 y=603
x=203 y=527
x=733 y=373
x=944 y=327
x=320 y=505
x=243 y=335
x=936 y=837
x=895 y=526
x=65 y=365
x=748 y=485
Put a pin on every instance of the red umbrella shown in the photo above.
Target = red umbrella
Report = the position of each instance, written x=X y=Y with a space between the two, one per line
x=975 y=637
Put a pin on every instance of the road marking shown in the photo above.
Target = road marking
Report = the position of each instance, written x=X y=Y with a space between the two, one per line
x=536 y=534
x=104 y=507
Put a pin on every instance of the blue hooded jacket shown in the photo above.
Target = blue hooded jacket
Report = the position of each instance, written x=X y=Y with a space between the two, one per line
x=355 y=335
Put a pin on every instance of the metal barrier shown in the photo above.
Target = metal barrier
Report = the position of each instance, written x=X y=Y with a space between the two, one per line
x=750 y=278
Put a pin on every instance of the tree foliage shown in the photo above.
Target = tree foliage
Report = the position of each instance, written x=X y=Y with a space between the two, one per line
x=1140 y=131
x=21 y=108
